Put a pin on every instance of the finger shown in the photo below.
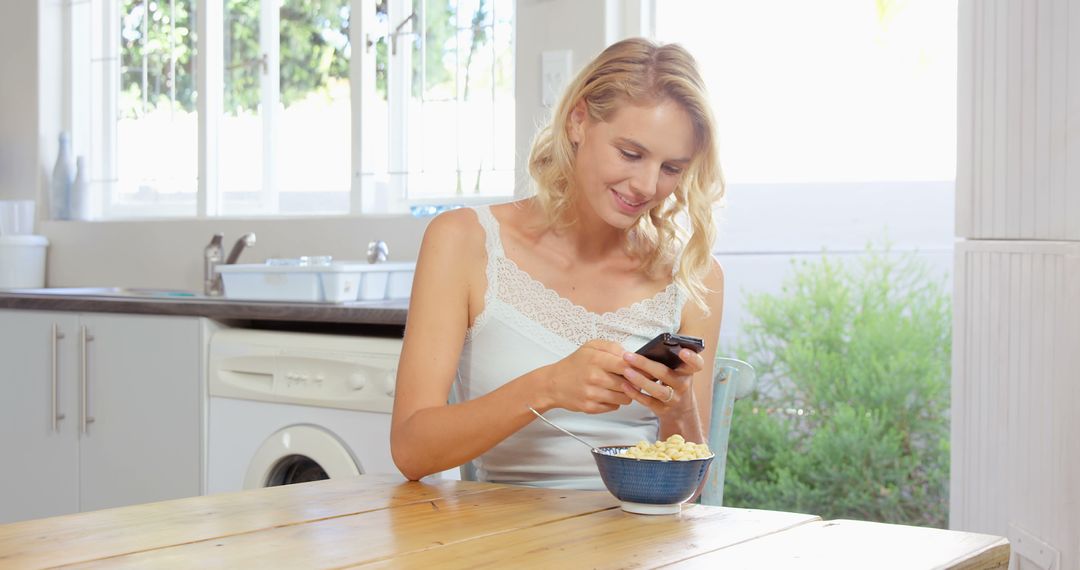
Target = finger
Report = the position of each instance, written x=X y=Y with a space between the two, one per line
x=607 y=346
x=635 y=394
x=651 y=387
x=692 y=362
x=613 y=395
x=617 y=381
x=608 y=380
x=650 y=367
x=598 y=408
x=610 y=362
x=606 y=388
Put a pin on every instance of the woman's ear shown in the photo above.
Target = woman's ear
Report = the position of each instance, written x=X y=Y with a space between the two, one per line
x=575 y=126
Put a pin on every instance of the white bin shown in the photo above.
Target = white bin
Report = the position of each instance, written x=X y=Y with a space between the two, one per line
x=337 y=282
x=22 y=261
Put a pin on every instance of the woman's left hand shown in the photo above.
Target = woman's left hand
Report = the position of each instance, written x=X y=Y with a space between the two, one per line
x=667 y=392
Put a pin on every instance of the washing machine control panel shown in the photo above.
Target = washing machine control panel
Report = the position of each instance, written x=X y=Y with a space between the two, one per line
x=357 y=373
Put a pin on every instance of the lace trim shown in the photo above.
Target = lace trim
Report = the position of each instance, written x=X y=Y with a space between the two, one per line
x=518 y=289
x=573 y=322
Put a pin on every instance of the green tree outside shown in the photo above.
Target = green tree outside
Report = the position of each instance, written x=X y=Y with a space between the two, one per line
x=850 y=415
x=314 y=51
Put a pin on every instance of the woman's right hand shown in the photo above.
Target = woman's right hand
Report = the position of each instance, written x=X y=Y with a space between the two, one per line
x=589 y=380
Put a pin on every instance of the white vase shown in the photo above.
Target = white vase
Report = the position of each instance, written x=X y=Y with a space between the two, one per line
x=62 y=179
x=79 y=200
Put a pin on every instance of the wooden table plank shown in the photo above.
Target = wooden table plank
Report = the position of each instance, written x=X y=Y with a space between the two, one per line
x=384 y=521
x=92 y=535
x=374 y=535
x=859 y=544
x=607 y=539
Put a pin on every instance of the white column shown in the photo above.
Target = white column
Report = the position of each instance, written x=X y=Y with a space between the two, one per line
x=1016 y=341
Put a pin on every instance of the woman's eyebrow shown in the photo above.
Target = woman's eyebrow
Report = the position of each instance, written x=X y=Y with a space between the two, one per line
x=643 y=150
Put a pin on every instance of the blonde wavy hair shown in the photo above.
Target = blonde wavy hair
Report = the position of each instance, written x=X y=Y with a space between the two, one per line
x=639 y=72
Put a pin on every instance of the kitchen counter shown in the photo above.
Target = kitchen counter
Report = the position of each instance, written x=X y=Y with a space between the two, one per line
x=364 y=313
x=383 y=521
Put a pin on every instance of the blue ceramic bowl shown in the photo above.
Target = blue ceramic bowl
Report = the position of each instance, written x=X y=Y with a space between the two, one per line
x=649 y=486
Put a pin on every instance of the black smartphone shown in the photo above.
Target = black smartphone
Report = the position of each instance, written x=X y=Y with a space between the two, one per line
x=666 y=346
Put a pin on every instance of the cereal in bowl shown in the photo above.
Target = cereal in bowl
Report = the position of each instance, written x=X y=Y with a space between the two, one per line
x=674 y=449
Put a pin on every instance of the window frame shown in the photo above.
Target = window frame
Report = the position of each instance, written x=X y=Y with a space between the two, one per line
x=90 y=24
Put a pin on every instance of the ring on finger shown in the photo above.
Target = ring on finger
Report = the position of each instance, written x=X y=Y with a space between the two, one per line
x=670 y=395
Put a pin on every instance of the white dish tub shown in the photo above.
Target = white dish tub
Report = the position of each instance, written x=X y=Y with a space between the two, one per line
x=337 y=282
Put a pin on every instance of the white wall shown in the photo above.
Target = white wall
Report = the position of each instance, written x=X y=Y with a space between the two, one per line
x=546 y=25
x=168 y=254
x=764 y=228
x=18 y=100
x=1015 y=450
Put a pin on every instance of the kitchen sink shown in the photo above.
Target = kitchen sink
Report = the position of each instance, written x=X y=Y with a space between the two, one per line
x=141 y=292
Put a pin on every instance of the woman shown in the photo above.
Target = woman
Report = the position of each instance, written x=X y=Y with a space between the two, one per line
x=541 y=302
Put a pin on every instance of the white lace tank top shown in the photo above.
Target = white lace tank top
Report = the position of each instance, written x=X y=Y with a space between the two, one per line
x=523 y=326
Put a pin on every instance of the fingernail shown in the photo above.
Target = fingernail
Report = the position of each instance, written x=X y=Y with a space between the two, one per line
x=628 y=356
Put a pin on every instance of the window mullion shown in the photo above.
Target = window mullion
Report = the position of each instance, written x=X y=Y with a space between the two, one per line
x=211 y=93
x=105 y=139
x=399 y=79
x=362 y=95
x=269 y=98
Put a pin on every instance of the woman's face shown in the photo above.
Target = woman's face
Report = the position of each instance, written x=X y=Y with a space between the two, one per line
x=628 y=165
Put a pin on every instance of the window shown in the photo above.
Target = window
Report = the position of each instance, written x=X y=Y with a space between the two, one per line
x=300 y=107
x=826 y=91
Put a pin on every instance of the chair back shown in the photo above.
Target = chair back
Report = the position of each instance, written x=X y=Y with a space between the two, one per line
x=467 y=471
x=732 y=379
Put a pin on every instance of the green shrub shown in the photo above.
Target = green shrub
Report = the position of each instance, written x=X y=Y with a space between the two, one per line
x=849 y=418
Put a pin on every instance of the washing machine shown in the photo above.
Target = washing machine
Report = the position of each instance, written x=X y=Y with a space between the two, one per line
x=287 y=407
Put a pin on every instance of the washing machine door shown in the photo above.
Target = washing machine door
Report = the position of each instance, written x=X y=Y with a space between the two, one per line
x=298 y=454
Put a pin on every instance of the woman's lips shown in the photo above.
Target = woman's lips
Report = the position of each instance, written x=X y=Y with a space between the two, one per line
x=626 y=206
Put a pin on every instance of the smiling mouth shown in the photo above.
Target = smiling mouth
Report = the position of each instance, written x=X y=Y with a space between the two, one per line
x=629 y=203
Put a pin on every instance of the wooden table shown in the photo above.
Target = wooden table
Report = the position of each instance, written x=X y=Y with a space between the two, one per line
x=384 y=522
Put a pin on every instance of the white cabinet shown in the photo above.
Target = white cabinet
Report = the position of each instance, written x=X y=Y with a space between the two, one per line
x=98 y=411
x=39 y=475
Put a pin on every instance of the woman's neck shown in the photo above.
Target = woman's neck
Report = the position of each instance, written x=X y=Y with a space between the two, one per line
x=589 y=236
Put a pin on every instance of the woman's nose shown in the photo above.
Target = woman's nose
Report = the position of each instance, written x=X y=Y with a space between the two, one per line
x=645 y=180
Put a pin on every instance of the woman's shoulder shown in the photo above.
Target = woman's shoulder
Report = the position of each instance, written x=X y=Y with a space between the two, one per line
x=520 y=221
x=713 y=280
x=471 y=220
x=515 y=214
x=455 y=231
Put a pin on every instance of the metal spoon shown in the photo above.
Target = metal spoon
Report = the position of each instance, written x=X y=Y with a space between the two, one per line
x=548 y=422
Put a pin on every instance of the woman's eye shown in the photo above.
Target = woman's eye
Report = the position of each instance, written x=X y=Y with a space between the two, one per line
x=674 y=170
x=629 y=155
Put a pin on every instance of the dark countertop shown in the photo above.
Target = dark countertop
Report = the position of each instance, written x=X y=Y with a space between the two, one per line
x=390 y=313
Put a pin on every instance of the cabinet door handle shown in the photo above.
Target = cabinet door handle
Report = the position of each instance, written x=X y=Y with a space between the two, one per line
x=57 y=416
x=84 y=380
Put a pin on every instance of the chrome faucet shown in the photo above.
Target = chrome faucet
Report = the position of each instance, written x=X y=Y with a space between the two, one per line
x=213 y=256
